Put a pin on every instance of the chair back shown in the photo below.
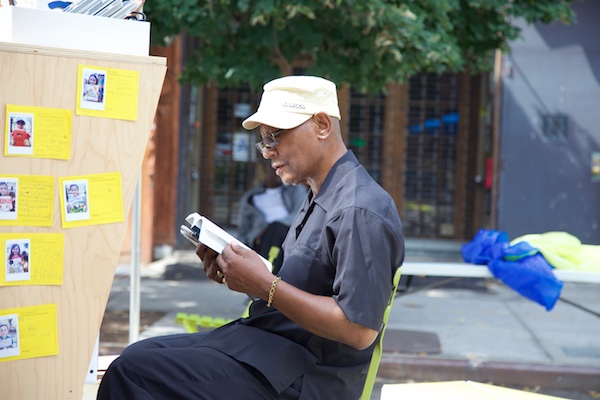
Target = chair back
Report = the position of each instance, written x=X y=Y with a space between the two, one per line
x=376 y=358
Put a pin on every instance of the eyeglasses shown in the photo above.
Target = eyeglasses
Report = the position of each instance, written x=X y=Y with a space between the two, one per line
x=268 y=141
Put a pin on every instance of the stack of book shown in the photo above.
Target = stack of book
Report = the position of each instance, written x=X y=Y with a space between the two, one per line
x=106 y=8
x=120 y=9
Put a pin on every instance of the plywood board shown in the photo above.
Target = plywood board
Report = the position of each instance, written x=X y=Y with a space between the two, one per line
x=47 y=77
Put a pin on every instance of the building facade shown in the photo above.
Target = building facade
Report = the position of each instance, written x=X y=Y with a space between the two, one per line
x=515 y=150
x=549 y=149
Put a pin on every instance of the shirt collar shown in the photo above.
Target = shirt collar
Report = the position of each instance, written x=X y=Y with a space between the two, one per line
x=327 y=193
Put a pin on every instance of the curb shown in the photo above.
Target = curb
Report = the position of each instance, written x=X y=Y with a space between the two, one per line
x=396 y=367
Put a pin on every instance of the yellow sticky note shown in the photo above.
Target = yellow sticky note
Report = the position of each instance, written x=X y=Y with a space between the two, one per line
x=38 y=132
x=28 y=332
x=91 y=199
x=26 y=200
x=107 y=92
x=32 y=258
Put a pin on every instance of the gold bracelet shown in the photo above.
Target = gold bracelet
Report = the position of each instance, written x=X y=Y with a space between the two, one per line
x=272 y=291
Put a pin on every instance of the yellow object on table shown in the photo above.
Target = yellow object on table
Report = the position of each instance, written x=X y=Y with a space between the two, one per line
x=564 y=251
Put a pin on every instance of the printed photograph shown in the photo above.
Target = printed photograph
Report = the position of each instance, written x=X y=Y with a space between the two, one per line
x=9 y=335
x=20 y=133
x=76 y=200
x=93 y=89
x=17 y=260
x=8 y=198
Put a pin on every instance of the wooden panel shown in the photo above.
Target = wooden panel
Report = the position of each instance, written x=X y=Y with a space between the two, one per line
x=462 y=157
x=207 y=150
x=394 y=142
x=166 y=148
x=46 y=77
x=344 y=104
x=477 y=212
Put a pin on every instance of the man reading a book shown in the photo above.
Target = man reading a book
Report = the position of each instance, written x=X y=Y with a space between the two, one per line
x=311 y=331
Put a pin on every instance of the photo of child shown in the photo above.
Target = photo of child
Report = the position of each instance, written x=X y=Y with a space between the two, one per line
x=9 y=335
x=20 y=134
x=17 y=260
x=8 y=198
x=76 y=200
x=93 y=89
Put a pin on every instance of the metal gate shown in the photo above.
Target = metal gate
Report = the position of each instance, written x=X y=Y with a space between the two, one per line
x=419 y=137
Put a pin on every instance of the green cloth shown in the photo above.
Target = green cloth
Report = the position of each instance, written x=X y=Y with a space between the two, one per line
x=564 y=251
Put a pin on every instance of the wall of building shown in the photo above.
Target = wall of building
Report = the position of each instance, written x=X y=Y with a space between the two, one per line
x=550 y=130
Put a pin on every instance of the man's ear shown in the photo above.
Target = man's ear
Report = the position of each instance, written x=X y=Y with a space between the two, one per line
x=323 y=123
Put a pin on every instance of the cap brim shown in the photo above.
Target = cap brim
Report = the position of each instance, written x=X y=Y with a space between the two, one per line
x=279 y=120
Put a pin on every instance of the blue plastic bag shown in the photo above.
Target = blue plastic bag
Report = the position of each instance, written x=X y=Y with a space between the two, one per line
x=517 y=252
x=530 y=276
x=484 y=246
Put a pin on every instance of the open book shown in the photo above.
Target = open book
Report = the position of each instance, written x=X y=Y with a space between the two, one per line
x=202 y=230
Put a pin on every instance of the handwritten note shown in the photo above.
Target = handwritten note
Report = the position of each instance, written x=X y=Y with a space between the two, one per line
x=107 y=92
x=33 y=332
x=44 y=132
x=33 y=200
x=42 y=259
x=91 y=199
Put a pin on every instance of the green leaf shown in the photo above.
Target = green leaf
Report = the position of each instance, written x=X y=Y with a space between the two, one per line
x=367 y=43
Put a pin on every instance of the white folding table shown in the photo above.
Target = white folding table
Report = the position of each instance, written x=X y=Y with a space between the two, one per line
x=464 y=270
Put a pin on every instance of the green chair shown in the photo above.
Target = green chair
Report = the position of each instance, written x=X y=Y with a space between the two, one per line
x=376 y=358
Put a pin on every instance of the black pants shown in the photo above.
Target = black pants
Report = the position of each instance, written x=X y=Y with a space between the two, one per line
x=176 y=367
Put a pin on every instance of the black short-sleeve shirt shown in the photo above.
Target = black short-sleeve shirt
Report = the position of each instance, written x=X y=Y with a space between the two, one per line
x=345 y=243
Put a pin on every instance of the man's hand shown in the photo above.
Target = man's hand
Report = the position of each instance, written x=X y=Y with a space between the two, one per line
x=209 y=261
x=321 y=315
x=245 y=271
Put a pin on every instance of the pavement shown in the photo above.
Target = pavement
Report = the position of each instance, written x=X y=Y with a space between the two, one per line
x=439 y=329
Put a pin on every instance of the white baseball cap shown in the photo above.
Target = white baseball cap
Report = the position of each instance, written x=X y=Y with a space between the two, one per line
x=290 y=101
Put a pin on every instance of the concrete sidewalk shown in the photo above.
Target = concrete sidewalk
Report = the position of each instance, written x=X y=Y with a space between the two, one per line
x=439 y=329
